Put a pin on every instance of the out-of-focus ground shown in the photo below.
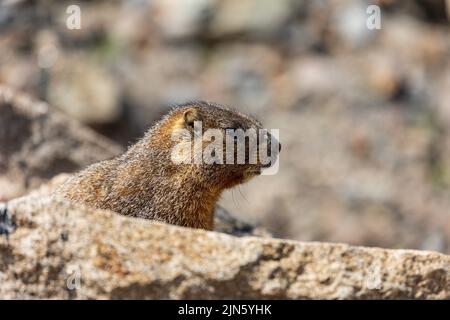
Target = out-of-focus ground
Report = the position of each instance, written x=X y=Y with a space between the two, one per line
x=364 y=115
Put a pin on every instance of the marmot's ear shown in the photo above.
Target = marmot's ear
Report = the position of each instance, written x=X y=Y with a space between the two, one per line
x=190 y=116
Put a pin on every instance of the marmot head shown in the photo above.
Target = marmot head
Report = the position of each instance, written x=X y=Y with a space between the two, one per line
x=217 y=146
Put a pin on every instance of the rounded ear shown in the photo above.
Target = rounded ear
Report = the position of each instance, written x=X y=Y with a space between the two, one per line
x=190 y=116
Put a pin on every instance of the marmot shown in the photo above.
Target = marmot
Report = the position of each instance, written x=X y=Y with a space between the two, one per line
x=145 y=182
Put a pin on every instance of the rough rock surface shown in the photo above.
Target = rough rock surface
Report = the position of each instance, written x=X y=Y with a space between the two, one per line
x=84 y=90
x=59 y=250
x=38 y=142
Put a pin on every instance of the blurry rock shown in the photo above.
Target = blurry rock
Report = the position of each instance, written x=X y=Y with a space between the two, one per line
x=97 y=18
x=47 y=49
x=312 y=77
x=37 y=142
x=212 y=18
x=434 y=242
x=241 y=76
x=21 y=73
x=435 y=10
x=351 y=22
x=260 y=17
x=447 y=2
x=385 y=76
x=84 y=89
x=443 y=96
x=17 y=68
x=154 y=82
x=415 y=42
x=139 y=27
x=64 y=251
x=225 y=222
x=181 y=19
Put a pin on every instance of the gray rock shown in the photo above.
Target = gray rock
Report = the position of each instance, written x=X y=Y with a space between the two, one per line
x=84 y=89
x=225 y=222
x=60 y=250
x=38 y=142
x=259 y=17
x=183 y=19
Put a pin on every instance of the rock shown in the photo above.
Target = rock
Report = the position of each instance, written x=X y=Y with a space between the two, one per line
x=259 y=17
x=241 y=76
x=225 y=222
x=443 y=97
x=218 y=19
x=154 y=82
x=448 y=9
x=59 y=250
x=385 y=76
x=182 y=19
x=38 y=142
x=430 y=44
x=84 y=89
x=350 y=19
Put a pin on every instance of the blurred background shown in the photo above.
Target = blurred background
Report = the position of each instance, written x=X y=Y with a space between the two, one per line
x=364 y=115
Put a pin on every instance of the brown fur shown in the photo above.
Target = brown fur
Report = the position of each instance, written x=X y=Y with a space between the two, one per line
x=144 y=182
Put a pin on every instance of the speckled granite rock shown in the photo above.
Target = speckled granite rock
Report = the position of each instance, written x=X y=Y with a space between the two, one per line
x=38 y=142
x=59 y=250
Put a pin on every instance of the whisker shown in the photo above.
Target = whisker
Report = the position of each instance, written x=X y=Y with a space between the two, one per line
x=242 y=195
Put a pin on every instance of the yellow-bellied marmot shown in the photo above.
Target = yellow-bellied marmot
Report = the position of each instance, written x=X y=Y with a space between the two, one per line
x=145 y=182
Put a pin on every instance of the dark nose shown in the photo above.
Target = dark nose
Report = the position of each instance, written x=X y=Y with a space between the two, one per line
x=269 y=144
